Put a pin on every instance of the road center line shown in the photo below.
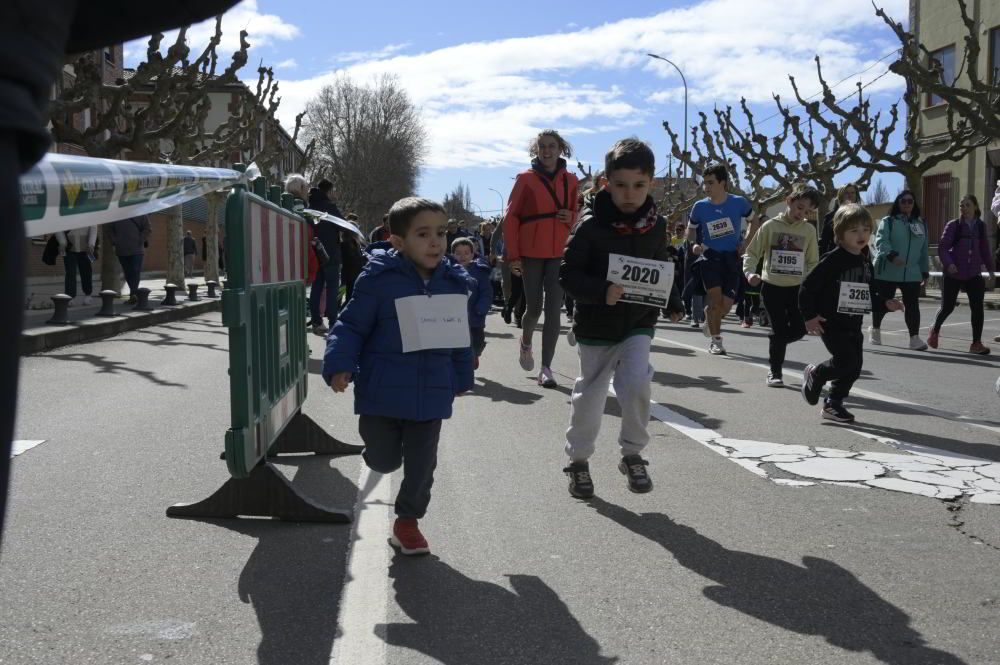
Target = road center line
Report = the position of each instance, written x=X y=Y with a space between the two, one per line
x=365 y=596
x=922 y=408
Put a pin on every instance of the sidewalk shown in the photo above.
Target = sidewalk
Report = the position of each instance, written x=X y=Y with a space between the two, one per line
x=85 y=326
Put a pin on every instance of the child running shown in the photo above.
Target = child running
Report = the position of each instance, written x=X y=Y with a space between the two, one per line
x=834 y=298
x=620 y=231
x=463 y=249
x=406 y=375
x=787 y=246
x=716 y=228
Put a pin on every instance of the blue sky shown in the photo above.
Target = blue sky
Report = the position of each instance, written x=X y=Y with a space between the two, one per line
x=487 y=76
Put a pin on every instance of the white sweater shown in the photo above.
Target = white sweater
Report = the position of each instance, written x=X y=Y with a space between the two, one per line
x=81 y=238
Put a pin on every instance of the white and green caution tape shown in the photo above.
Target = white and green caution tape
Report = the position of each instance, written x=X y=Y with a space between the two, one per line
x=64 y=192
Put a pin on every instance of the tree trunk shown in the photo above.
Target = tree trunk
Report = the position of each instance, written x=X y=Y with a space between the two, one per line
x=214 y=201
x=175 y=247
x=110 y=273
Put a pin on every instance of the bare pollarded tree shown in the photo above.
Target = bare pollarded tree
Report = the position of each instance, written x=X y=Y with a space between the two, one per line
x=159 y=114
x=369 y=141
x=977 y=100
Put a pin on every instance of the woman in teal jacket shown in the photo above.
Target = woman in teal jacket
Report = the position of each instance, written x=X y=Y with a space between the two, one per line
x=901 y=262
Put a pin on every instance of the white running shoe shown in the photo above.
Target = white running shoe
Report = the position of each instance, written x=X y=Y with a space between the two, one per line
x=917 y=344
x=87 y=300
x=874 y=336
x=716 y=348
x=773 y=381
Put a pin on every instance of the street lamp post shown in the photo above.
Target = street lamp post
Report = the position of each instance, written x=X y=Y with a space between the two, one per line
x=684 y=81
x=501 y=199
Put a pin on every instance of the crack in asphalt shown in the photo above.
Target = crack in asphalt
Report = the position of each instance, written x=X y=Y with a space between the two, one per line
x=956 y=522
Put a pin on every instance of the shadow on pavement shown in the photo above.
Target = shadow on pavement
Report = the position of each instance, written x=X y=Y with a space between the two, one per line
x=711 y=383
x=294 y=577
x=494 y=335
x=817 y=598
x=498 y=392
x=105 y=366
x=458 y=620
x=947 y=357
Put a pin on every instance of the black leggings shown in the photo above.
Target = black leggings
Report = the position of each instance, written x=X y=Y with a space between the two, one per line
x=516 y=303
x=844 y=367
x=911 y=300
x=975 y=288
x=787 y=326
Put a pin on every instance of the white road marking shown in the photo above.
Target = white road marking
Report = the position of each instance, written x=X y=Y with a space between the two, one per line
x=23 y=446
x=922 y=408
x=943 y=325
x=946 y=475
x=364 y=599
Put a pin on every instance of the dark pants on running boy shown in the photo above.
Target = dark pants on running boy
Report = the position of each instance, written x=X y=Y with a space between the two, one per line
x=975 y=288
x=844 y=368
x=412 y=444
x=911 y=301
x=787 y=326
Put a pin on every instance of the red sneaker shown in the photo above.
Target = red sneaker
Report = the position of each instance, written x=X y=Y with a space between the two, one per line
x=979 y=348
x=932 y=339
x=406 y=537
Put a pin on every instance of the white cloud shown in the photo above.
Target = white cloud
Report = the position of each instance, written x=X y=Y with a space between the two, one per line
x=365 y=56
x=482 y=101
x=262 y=29
x=287 y=64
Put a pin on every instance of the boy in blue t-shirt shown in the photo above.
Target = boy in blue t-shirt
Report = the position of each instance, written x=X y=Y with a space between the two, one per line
x=716 y=226
x=463 y=249
x=406 y=376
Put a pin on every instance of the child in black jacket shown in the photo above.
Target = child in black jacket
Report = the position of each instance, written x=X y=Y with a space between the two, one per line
x=616 y=269
x=834 y=298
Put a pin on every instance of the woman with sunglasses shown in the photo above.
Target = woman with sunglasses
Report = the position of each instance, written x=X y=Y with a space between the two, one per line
x=901 y=262
x=964 y=250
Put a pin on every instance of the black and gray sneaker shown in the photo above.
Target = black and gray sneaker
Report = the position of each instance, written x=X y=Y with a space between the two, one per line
x=580 y=484
x=836 y=412
x=811 y=386
x=634 y=467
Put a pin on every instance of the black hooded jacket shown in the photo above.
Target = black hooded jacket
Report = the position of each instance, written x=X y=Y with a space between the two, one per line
x=584 y=269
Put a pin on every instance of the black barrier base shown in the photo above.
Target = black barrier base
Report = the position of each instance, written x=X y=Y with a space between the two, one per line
x=303 y=435
x=266 y=493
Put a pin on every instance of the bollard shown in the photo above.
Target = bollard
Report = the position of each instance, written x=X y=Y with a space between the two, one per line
x=142 y=300
x=107 y=303
x=193 y=292
x=211 y=286
x=171 y=299
x=61 y=303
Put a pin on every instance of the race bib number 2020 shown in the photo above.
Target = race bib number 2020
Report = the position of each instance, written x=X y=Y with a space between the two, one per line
x=646 y=282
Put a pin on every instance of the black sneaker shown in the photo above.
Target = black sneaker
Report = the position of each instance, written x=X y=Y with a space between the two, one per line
x=634 y=467
x=505 y=315
x=811 y=387
x=837 y=413
x=580 y=484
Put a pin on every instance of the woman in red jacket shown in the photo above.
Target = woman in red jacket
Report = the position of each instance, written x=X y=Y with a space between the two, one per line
x=540 y=213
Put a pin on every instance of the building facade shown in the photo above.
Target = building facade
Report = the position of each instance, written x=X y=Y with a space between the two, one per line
x=938 y=25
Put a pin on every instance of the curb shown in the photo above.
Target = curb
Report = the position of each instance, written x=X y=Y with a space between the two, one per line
x=44 y=338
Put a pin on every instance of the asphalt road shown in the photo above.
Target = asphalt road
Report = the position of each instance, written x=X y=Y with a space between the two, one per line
x=717 y=565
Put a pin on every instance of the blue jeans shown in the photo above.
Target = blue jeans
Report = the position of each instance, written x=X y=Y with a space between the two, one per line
x=74 y=261
x=328 y=278
x=132 y=267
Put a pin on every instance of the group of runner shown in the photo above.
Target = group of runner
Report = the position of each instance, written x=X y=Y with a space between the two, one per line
x=410 y=337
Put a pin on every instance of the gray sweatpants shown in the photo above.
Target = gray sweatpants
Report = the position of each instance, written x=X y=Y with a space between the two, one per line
x=629 y=362
x=542 y=276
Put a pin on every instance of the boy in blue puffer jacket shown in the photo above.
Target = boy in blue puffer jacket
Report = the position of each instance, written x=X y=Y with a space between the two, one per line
x=404 y=339
x=482 y=291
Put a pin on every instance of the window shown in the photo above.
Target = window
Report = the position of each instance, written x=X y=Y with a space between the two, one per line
x=994 y=77
x=946 y=57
